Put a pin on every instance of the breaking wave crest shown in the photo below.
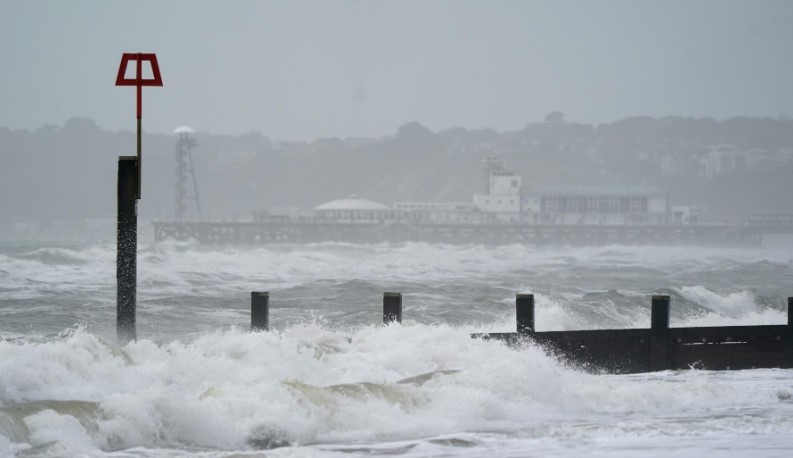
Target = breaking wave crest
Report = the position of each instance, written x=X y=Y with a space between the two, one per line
x=233 y=390
x=328 y=379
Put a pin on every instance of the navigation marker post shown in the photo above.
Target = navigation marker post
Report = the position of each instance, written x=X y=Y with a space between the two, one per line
x=129 y=185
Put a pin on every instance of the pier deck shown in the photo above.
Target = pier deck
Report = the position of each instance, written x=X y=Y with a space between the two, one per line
x=290 y=231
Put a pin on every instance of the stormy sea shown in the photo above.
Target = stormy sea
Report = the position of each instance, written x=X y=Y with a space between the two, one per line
x=330 y=380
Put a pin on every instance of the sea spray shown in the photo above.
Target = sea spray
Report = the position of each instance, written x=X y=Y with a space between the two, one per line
x=329 y=379
x=307 y=385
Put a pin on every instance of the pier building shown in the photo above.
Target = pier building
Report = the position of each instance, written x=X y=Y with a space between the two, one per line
x=504 y=212
x=597 y=205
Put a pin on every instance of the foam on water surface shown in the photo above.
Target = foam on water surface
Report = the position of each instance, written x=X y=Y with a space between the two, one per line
x=329 y=381
x=233 y=390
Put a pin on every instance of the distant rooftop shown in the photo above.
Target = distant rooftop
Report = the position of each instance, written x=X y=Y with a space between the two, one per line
x=351 y=203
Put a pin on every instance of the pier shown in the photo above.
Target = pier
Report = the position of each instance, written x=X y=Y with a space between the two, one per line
x=305 y=230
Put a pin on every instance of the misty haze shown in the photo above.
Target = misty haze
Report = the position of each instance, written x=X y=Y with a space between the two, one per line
x=724 y=171
x=438 y=228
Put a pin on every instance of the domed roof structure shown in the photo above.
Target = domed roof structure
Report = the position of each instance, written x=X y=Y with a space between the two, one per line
x=351 y=203
x=184 y=130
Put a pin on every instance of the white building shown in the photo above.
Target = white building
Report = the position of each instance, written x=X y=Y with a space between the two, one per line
x=684 y=214
x=722 y=159
x=503 y=198
x=596 y=205
x=355 y=209
x=504 y=202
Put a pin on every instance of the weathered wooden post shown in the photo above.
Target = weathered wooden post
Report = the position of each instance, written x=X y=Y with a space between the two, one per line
x=127 y=246
x=524 y=313
x=789 y=333
x=392 y=307
x=659 y=355
x=260 y=311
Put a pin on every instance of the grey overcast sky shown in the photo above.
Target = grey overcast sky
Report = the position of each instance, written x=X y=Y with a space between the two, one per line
x=306 y=69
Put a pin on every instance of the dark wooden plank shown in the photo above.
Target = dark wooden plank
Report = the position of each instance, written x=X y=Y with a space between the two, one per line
x=510 y=338
x=789 y=333
x=524 y=313
x=616 y=351
x=613 y=350
x=716 y=334
x=659 y=358
x=723 y=356
x=260 y=311
x=392 y=308
x=629 y=350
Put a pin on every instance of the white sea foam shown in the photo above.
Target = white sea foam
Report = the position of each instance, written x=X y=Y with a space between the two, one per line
x=731 y=303
x=233 y=390
x=196 y=384
x=728 y=309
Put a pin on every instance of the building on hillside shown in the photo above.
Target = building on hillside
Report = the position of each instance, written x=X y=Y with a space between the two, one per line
x=722 y=159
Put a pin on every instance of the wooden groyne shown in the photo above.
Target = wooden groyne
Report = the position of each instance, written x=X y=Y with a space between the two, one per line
x=625 y=351
x=660 y=347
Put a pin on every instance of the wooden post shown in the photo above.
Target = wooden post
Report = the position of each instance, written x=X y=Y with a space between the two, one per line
x=524 y=313
x=260 y=311
x=126 y=249
x=392 y=308
x=659 y=355
x=789 y=333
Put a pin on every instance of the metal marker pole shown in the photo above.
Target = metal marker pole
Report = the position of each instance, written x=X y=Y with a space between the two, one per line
x=129 y=191
x=139 y=86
